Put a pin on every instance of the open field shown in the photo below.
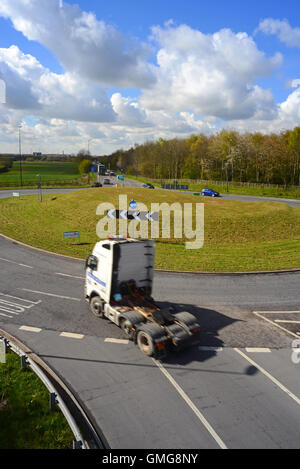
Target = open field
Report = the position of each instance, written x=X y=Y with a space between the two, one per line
x=239 y=236
x=52 y=172
x=26 y=421
x=279 y=192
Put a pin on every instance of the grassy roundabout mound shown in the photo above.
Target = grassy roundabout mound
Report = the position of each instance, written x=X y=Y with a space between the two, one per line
x=239 y=236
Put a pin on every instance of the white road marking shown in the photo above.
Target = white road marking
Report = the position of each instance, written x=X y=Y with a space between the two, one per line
x=23 y=299
x=30 y=329
x=50 y=294
x=9 y=306
x=288 y=321
x=17 y=263
x=8 y=310
x=116 y=341
x=71 y=335
x=277 y=312
x=210 y=349
x=268 y=375
x=191 y=405
x=5 y=315
x=274 y=323
x=257 y=350
x=68 y=275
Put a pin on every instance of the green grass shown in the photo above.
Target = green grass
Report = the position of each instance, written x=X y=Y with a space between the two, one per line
x=239 y=236
x=26 y=421
x=49 y=170
x=253 y=191
x=279 y=192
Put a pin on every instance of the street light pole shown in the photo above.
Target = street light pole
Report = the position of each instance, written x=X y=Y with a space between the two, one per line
x=20 y=155
x=89 y=144
x=40 y=186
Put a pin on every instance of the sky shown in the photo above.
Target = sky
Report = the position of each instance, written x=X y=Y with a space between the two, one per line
x=107 y=75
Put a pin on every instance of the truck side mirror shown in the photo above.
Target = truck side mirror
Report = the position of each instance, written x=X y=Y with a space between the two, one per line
x=91 y=262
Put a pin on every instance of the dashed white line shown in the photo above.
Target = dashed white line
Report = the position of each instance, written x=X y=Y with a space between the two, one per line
x=72 y=335
x=257 y=350
x=287 y=320
x=50 y=294
x=277 y=312
x=210 y=349
x=17 y=263
x=68 y=275
x=30 y=329
x=197 y=412
x=268 y=375
x=116 y=341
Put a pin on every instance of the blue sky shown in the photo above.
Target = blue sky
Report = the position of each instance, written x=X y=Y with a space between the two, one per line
x=128 y=76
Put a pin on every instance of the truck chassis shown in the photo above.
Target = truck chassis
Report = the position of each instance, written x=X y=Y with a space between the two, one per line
x=154 y=330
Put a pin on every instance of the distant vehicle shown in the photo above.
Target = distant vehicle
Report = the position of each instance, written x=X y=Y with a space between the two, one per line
x=209 y=193
x=96 y=184
x=106 y=181
x=112 y=173
x=148 y=186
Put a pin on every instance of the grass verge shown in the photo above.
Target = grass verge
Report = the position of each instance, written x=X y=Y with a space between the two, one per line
x=26 y=421
x=279 y=192
x=239 y=236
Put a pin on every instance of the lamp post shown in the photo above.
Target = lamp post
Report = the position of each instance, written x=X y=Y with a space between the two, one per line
x=40 y=186
x=89 y=144
x=20 y=155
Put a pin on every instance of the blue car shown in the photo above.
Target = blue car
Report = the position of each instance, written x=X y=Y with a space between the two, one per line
x=209 y=193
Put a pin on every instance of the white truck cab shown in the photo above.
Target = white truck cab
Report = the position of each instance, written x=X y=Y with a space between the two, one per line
x=116 y=261
x=118 y=287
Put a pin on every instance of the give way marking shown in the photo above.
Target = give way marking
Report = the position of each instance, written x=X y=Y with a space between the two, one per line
x=14 y=305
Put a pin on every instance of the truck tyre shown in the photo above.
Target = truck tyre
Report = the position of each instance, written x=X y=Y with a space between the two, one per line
x=185 y=317
x=145 y=343
x=126 y=327
x=97 y=306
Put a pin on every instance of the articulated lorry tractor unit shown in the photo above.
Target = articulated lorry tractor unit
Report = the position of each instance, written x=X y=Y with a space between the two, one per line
x=118 y=287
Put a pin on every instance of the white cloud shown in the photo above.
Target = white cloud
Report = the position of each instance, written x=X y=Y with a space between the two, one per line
x=31 y=87
x=128 y=111
x=209 y=74
x=199 y=83
x=281 y=28
x=83 y=44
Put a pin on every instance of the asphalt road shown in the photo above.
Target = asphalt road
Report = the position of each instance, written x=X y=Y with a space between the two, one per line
x=237 y=388
x=132 y=183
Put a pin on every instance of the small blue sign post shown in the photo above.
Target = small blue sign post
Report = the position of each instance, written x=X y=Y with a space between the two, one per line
x=71 y=234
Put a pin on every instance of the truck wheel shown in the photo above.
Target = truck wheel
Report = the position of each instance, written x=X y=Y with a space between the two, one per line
x=97 y=306
x=126 y=327
x=145 y=343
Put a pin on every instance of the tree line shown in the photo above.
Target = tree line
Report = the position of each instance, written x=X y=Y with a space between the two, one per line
x=228 y=155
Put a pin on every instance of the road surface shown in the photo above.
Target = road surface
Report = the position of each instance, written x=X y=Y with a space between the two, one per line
x=237 y=388
x=132 y=183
